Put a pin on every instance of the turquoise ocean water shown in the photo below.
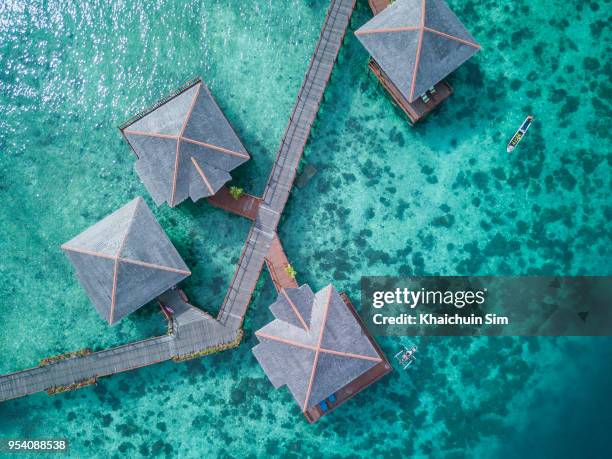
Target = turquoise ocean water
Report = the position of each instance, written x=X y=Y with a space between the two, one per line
x=439 y=198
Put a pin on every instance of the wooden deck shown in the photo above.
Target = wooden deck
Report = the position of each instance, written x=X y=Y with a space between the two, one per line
x=245 y=206
x=418 y=109
x=378 y=5
x=277 y=262
x=194 y=333
x=359 y=384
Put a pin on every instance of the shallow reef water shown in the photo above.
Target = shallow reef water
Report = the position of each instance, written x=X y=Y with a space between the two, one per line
x=442 y=197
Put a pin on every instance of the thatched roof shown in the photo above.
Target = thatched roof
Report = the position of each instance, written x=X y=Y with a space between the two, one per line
x=185 y=146
x=417 y=43
x=125 y=260
x=315 y=346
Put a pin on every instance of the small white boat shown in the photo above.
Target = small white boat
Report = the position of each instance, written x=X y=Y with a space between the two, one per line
x=406 y=357
x=518 y=135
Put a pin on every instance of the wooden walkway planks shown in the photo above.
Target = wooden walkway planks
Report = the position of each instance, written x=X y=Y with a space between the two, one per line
x=245 y=206
x=305 y=109
x=277 y=262
x=284 y=169
x=194 y=332
x=78 y=369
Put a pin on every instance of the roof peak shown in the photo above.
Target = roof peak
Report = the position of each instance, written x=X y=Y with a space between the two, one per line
x=119 y=222
x=125 y=260
x=415 y=62
x=334 y=337
x=185 y=146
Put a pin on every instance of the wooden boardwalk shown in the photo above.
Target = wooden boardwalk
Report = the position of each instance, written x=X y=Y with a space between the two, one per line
x=284 y=169
x=277 y=264
x=276 y=260
x=193 y=332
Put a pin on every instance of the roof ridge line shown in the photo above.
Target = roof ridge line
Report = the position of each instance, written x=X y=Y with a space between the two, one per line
x=222 y=112
x=316 y=359
x=146 y=264
x=388 y=30
x=201 y=172
x=111 y=317
x=138 y=200
x=452 y=37
x=87 y=252
x=178 y=146
x=215 y=147
x=418 y=52
x=152 y=134
x=287 y=341
x=350 y=355
x=310 y=347
x=295 y=309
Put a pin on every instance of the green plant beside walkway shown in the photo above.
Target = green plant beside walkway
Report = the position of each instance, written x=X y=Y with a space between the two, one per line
x=236 y=192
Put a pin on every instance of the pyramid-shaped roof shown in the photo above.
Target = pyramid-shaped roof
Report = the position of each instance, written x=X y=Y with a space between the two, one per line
x=185 y=146
x=125 y=260
x=417 y=43
x=315 y=346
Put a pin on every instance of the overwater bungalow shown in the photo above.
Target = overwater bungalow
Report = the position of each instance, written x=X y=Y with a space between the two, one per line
x=185 y=145
x=125 y=260
x=319 y=348
x=193 y=333
x=414 y=45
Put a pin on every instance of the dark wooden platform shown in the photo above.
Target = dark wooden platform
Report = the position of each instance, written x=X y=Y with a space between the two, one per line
x=378 y=5
x=277 y=263
x=366 y=379
x=418 y=109
x=245 y=206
